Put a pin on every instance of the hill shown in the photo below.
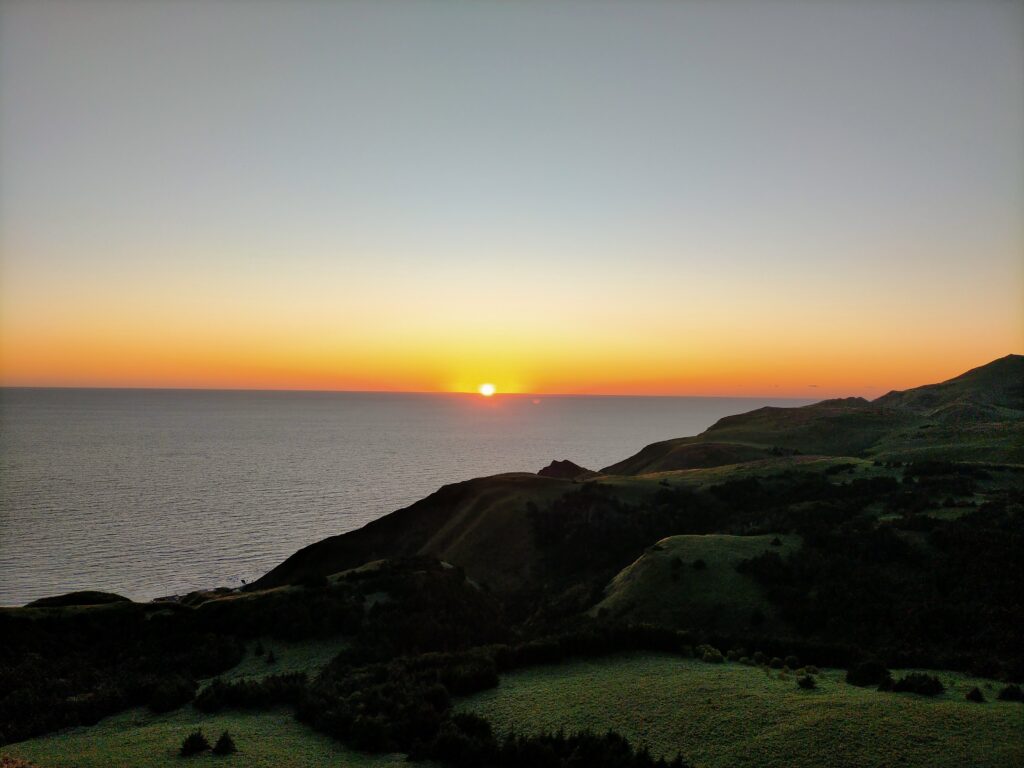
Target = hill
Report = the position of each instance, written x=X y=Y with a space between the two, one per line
x=688 y=581
x=478 y=524
x=978 y=416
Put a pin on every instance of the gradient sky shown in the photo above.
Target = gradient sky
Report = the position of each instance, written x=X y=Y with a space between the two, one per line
x=783 y=198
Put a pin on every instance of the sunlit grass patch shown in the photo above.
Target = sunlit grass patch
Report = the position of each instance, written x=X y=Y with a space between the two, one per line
x=735 y=715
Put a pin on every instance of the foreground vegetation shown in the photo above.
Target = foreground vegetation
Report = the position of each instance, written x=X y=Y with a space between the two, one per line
x=735 y=715
x=143 y=740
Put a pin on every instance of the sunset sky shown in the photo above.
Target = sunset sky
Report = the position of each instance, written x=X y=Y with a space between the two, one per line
x=758 y=198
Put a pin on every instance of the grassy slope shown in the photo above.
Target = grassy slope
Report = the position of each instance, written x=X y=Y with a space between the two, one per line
x=143 y=740
x=477 y=524
x=733 y=715
x=652 y=589
x=272 y=739
x=978 y=416
x=308 y=656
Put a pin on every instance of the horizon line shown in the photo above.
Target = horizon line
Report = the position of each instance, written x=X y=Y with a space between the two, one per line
x=396 y=392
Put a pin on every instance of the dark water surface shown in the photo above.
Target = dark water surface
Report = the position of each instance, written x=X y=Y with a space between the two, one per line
x=156 y=492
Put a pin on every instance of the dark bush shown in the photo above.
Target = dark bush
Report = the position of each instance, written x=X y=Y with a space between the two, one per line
x=1011 y=693
x=919 y=683
x=263 y=693
x=193 y=744
x=868 y=673
x=271 y=658
x=710 y=654
x=170 y=693
x=776 y=663
x=975 y=695
x=806 y=682
x=793 y=662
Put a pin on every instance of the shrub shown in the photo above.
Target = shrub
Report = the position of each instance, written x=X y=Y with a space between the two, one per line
x=792 y=662
x=193 y=744
x=225 y=745
x=260 y=694
x=975 y=695
x=868 y=673
x=776 y=663
x=271 y=658
x=732 y=655
x=919 y=683
x=710 y=654
x=776 y=542
x=810 y=669
x=1011 y=693
x=758 y=657
x=171 y=693
x=806 y=682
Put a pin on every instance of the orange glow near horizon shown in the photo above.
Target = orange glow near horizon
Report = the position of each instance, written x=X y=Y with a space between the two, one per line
x=619 y=333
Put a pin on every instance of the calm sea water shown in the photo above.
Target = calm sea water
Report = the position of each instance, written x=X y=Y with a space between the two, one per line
x=156 y=492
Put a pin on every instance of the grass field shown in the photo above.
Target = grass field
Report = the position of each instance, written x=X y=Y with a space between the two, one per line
x=307 y=656
x=273 y=739
x=734 y=715
x=662 y=586
x=143 y=740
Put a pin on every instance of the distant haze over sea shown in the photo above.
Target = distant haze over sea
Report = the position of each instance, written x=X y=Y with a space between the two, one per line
x=156 y=492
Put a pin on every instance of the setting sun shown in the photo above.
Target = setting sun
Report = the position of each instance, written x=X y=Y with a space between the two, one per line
x=487 y=390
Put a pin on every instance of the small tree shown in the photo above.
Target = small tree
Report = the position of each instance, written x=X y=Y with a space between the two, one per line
x=225 y=745
x=975 y=695
x=193 y=744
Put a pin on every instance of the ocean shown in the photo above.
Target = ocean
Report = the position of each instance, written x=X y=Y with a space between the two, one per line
x=157 y=492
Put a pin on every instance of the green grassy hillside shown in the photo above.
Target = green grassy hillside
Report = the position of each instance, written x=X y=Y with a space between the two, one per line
x=988 y=389
x=978 y=416
x=667 y=586
x=731 y=715
x=140 y=739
